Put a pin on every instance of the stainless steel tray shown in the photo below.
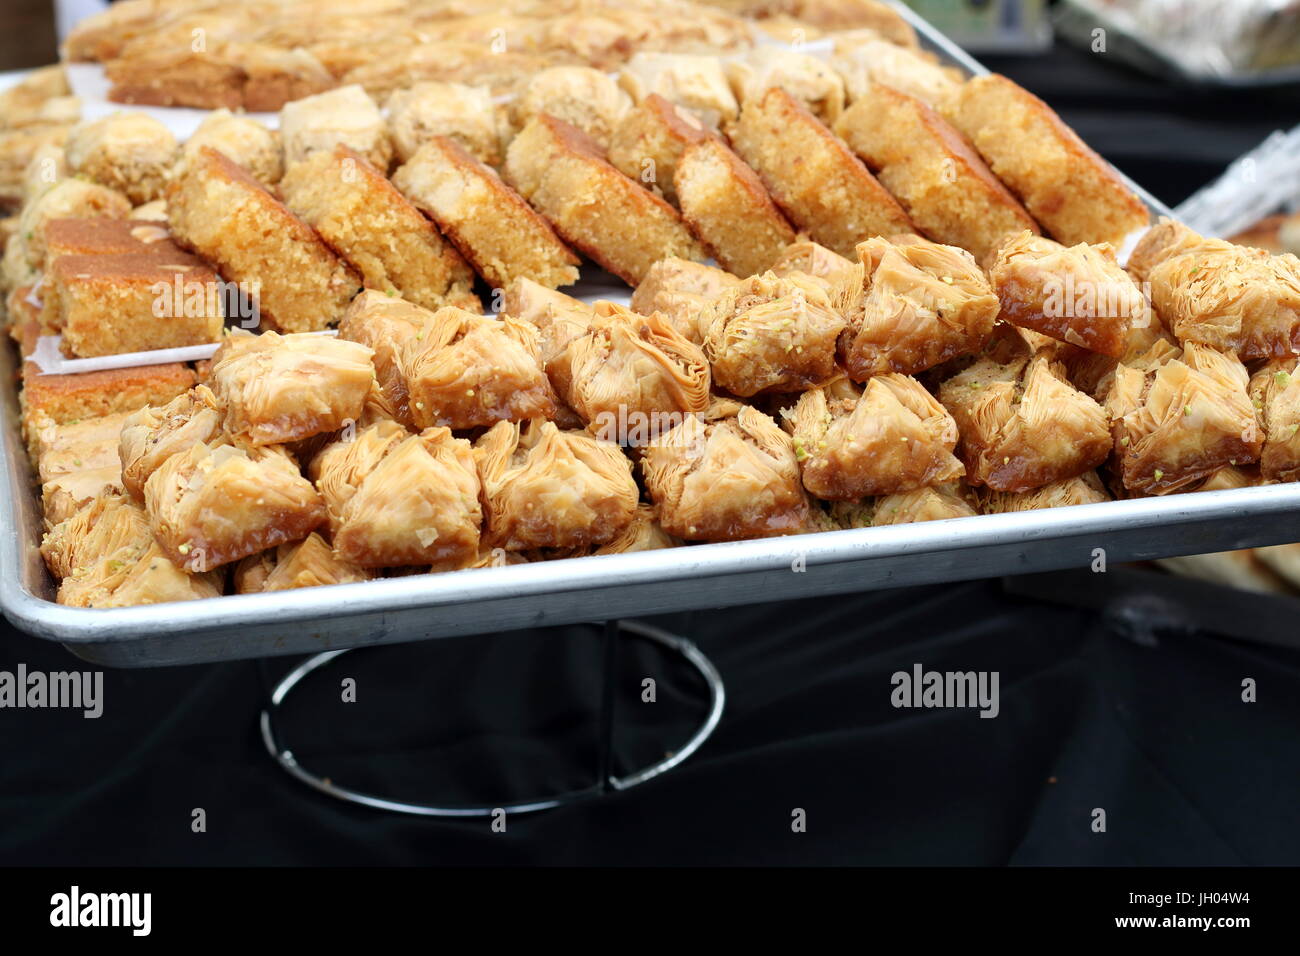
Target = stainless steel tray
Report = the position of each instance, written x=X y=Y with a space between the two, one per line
x=394 y=610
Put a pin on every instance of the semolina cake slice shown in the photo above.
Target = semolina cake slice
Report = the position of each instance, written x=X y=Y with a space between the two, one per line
x=933 y=170
x=222 y=213
x=1069 y=189
x=825 y=190
x=97 y=237
x=650 y=139
x=132 y=302
x=368 y=221
x=727 y=207
x=595 y=208
x=490 y=223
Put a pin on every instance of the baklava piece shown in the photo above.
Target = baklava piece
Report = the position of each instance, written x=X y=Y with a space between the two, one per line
x=105 y=556
x=933 y=171
x=644 y=533
x=1226 y=296
x=399 y=499
x=1179 y=420
x=922 y=504
x=31 y=160
x=110 y=304
x=1085 y=489
x=64 y=495
x=368 y=221
x=491 y=224
x=681 y=291
x=586 y=98
x=595 y=208
x=922 y=304
x=384 y=323
x=726 y=476
x=346 y=116
x=1022 y=425
x=547 y=488
x=309 y=563
x=559 y=318
x=216 y=503
x=649 y=141
x=1275 y=392
x=892 y=437
x=694 y=81
x=464 y=114
x=1068 y=188
x=153 y=434
x=65 y=448
x=274 y=389
x=809 y=80
x=771 y=334
x=825 y=190
x=129 y=152
x=221 y=212
x=876 y=62
x=813 y=260
x=728 y=208
x=628 y=369
x=244 y=141
x=1078 y=295
x=466 y=371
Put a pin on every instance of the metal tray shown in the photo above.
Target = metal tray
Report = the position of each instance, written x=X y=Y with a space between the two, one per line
x=401 y=609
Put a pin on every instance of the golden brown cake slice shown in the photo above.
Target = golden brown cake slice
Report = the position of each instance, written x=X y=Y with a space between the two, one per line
x=246 y=142
x=132 y=302
x=1275 y=393
x=629 y=370
x=98 y=237
x=1179 y=420
x=923 y=303
x=595 y=208
x=771 y=334
x=650 y=139
x=464 y=371
x=547 y=488
x=345 y=116
x=491 y=224
x=933 y=171
x=274 y=389
x=1078 y=295
x=129 y=152
x=216 y=503
x=398 y=499
x=66 y=398
x=223 y=214
x=384 y=323
x=814 y=178
x=153 y=434
x=891 y=437
x=104 y=556
x=66 y=199
x=368 y=221
x=725 y=476
x=1069 y=189
x=1022 y=425
x=728 y=208
x=465 y=114
x=309 y=563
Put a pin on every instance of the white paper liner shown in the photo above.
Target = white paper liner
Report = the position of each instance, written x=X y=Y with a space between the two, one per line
x=50 y=359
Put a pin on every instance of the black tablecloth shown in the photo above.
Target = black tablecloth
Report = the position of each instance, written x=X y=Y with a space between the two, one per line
x=1157 y=736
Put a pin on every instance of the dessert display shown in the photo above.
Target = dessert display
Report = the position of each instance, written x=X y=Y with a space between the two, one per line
x=863 y=291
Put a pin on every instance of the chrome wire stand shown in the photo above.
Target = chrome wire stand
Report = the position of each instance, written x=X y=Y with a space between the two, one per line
x=606 y=781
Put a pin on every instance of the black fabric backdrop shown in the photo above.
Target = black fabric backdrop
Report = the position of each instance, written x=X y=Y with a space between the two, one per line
x=1156 y=735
